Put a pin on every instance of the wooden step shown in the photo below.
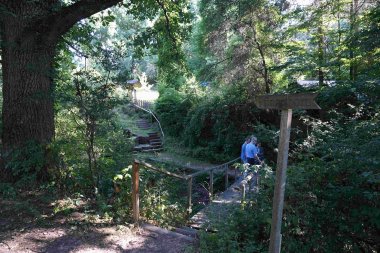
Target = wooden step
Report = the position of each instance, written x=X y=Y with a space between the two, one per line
x=162 y=231
x=153 y=150
x=143 y=124
x=187 y=231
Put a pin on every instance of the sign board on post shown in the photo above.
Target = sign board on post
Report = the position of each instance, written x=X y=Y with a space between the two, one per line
x=285 y=103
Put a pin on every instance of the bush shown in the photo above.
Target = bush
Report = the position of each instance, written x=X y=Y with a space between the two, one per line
x=172 y=108
x=332 y=193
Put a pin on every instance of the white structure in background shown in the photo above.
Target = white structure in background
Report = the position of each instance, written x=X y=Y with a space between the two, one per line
x=141 y=90
x=131 y=87
x=312 y=83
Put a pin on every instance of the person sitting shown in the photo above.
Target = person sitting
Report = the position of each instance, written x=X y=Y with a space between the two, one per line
x=242 y=154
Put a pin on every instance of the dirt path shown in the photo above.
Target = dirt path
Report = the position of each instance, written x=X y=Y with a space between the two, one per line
x=92 y=239
x=21 y=231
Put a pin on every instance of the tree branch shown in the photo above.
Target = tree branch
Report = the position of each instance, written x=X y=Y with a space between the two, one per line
x=60 y=22
x=167 y=21
x=79 y=53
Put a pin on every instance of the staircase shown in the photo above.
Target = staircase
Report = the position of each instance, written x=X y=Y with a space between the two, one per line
x=150 y=143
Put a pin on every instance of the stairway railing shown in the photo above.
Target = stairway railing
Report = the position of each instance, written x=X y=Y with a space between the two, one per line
x=141 y=104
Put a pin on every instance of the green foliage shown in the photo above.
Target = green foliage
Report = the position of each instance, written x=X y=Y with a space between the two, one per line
x=170 y=28
x=209 y=127
x=213 y=126
x=122 y=185
x=238 y=42
x=163 y=198
x=172 y=108
x=7 y=191
x=29 y=165
x=332 y=191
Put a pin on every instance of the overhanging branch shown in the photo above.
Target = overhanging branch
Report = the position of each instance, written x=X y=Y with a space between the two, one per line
x=61 y=21
x=167 y=21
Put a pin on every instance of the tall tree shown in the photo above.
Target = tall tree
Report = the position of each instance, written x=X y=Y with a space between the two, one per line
x=238 y=39
x=353 y=30
x=30 y=31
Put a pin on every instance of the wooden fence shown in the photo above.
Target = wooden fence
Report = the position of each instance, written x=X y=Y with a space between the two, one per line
x=188 y=178
x=143 y=103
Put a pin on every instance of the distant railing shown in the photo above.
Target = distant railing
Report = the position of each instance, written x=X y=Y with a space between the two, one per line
x=146 y=106
x=189 y=178
x=143 y=103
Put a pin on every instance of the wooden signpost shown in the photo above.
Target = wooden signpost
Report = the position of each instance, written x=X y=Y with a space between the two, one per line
x=135 y=191
x=285 y=103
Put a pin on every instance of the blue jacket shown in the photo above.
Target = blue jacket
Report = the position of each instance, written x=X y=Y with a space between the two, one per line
x=251 y=150
x=242 y=154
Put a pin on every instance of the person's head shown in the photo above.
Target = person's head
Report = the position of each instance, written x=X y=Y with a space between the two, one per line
x=253 y=139
x=248 y=139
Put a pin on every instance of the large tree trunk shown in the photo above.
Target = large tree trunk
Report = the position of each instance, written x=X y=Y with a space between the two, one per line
x=27 y=92
x=28 y=112
x=30 y=31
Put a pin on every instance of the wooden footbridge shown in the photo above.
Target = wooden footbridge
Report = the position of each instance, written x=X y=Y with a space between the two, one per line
x=218 y=206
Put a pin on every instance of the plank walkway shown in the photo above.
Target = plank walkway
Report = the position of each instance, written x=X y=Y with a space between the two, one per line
x=220 y=208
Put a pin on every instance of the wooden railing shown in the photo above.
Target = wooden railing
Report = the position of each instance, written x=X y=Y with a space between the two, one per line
x=143 y=103
x=188 y=178
x=145 y=106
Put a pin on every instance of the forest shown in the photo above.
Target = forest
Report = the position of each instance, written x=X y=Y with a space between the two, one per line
x=71 y=126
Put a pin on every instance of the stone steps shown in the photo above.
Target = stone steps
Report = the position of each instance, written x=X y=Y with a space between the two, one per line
x=151 y=143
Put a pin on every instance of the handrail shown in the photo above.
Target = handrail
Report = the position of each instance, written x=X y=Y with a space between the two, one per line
x=150 y=166
x=154 y=116
x=213 y=168
x=188 y=178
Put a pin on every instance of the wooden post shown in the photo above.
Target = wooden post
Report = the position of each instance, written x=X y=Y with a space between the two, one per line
x=211 y=183
x=279 y=190
x=189 y=192
x=226 y=176
x=285 y=103
x=135 y=192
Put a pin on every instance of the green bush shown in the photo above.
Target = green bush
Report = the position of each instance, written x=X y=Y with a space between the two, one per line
x=172 y=108
x=217 y=126
x=332 y=191
x=333 y=199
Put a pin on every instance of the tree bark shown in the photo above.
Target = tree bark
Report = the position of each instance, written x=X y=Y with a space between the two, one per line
x=320 y=55
x=353 y=42
x=30 y=31
x=262 y=55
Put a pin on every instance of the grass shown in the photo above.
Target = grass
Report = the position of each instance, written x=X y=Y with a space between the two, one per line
x=128 y=117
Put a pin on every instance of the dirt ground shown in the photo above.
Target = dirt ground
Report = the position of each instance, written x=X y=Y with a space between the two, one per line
x=21 y=230
x=105 y=239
